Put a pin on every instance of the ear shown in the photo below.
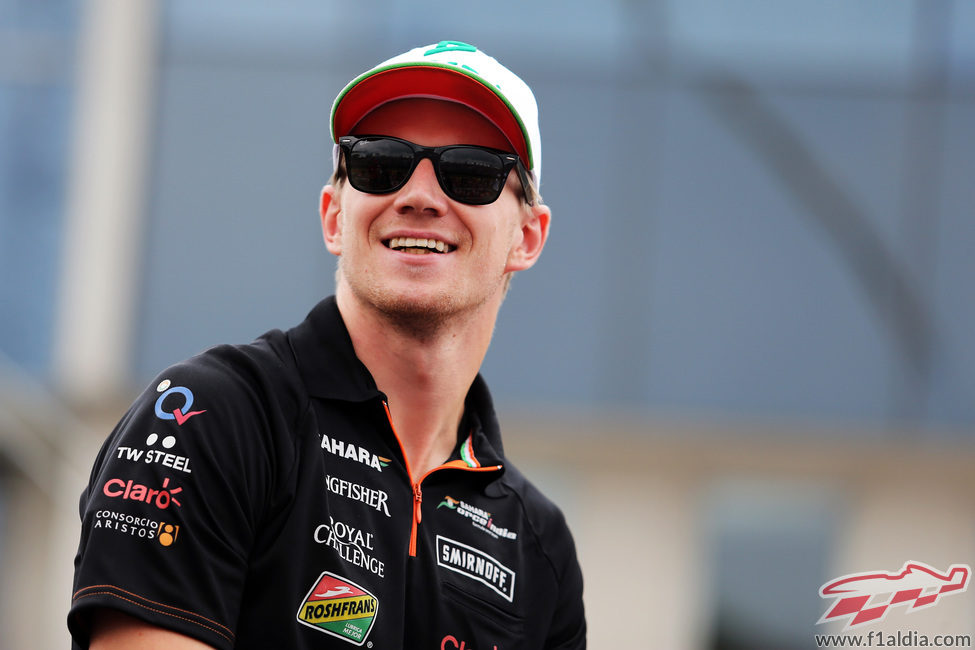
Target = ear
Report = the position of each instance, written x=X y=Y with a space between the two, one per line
x=330 y=210
x=532 y=237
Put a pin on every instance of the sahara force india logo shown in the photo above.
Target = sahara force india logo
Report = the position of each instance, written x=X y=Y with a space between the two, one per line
x=480 y=518
x=339 y=608
x=863 y=598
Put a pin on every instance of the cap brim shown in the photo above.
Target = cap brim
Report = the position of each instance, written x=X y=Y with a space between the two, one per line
x=378 y=87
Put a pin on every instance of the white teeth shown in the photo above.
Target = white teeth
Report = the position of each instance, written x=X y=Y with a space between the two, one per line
x=413 y=242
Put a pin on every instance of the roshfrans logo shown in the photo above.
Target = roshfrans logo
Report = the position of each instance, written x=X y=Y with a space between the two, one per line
x=480 y=518
x=863 y=598
x=339 y=608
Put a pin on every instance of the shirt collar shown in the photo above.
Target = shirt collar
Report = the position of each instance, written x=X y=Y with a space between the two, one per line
x=326 y=359
x=330 y=369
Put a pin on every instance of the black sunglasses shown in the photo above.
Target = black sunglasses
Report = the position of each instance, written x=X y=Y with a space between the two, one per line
x=378 y=164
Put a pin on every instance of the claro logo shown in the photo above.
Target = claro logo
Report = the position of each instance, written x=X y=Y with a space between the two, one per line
x=132 y=491
x=451 y=643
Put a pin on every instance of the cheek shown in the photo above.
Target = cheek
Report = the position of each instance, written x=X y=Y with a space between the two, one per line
x=355 y=220
x=509 y=232
x=499 y=238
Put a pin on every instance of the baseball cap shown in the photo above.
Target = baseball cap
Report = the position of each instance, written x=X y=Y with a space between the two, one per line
x=452 y=71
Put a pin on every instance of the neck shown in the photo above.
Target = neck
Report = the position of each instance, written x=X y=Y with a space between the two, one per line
x=425 y=372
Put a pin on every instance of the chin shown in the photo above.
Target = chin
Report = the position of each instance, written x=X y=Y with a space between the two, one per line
x=419 y=304
x=419 y=316
x=423 y=311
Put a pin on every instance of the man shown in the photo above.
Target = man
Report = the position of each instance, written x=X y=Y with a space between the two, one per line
x=343 y=483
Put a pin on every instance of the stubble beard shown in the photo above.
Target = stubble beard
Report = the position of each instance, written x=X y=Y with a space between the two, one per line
x=422 y=318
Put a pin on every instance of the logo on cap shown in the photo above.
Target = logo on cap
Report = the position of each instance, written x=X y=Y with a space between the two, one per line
x=450 y=46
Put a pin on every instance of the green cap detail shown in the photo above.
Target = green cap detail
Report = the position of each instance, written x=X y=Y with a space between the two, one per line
x=450 y=46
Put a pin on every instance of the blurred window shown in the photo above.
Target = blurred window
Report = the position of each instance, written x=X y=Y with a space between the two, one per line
x=771 y=541
x=37 y=50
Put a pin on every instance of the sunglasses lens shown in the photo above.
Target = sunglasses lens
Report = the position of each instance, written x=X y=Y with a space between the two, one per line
x=379 y=166
x=472 y=175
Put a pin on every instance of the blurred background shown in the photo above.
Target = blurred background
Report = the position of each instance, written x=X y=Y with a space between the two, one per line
x=744 y=366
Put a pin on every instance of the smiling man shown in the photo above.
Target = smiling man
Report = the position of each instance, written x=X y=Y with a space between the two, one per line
x=344 y=482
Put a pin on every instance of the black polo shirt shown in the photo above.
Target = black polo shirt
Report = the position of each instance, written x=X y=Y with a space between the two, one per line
x=257 y=496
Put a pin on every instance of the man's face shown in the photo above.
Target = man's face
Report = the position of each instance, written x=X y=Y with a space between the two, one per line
x=480 y=244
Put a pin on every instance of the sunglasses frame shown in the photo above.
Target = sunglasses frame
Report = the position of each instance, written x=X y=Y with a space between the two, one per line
x=508 y=160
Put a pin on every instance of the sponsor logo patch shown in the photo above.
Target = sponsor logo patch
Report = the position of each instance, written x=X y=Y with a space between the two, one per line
x=147 y=528
x=129 y=490
x=480 y=519
x=476 y=565
x=375 y=499
x=156 y=456
x=181 y=413
x=450 y=642
x=354 y=452
x=339 y=608
x=353 y=545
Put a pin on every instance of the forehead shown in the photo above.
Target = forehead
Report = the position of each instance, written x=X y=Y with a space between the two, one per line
x=432 y=123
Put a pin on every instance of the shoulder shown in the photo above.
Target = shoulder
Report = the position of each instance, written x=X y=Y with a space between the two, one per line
x=256 y=376
x=538 y=507
x=205 y=457
x=545 y=520
x=265 y=358
x=552 y=539
x=229 y=405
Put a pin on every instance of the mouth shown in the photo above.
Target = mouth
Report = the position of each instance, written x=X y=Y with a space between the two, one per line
x=419 y=246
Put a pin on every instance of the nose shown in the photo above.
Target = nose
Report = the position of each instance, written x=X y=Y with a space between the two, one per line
x=422 y=193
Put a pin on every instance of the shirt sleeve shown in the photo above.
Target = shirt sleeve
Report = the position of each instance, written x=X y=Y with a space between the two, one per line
x=568 y=630
x=174 y=502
